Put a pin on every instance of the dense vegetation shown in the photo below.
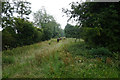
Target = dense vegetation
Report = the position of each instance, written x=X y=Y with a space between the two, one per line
x=97 y=23
x=51 y=28
x=72 y=31
x=19 y=31
x=0 y=40
x=30 y=49
x=66 y=59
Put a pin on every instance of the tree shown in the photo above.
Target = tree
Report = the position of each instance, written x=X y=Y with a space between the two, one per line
x=47 y=22
x=9 y=10
x=22 y=8
x=26 y=32
x=41 y=17
x=8 y=38
x=38 y=35
x=100 y=22
x=69 y=31
x=72 y=31
x=0 y=41
x=11 y=28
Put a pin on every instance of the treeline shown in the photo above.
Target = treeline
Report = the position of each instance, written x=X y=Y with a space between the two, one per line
x=47 y=22
x=19 y=31
x=72 y=31
x=97 y=23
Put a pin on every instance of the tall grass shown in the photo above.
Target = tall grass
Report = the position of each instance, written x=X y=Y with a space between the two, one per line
x=50 y=59
x=63 y=64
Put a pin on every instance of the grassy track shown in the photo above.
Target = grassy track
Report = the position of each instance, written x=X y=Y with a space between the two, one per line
x=19 y=60
x=50 y=59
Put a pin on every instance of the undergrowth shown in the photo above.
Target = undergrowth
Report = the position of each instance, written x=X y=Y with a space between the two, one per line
x=65 y=59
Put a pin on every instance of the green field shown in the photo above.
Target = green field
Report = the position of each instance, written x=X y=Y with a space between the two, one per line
x=49 y=59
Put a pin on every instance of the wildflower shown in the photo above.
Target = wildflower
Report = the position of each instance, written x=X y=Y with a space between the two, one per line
x=79 y=61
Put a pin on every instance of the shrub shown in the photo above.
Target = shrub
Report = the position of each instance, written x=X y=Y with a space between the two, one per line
x=8 y=38
x=100 y=52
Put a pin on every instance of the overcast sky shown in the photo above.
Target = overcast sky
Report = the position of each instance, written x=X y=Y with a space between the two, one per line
x=53 y=7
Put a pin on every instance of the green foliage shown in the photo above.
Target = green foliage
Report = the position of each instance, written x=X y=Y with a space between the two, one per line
x=38 y=35
x=47 y=34
x=0 y=40
x=19 y=31
x=23 y=33
x=101 y=52
x=51 y=28
x=8 y=60
x=116 y=56
x=72 y=31
x=79 y=49
x=21 y=8
x=102 y=17
x=8 y=38
x=58 y=60
x=68 y=30
x=16 y=31
x=91 y=36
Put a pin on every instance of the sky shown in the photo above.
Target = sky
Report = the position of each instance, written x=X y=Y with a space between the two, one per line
x=54 y=8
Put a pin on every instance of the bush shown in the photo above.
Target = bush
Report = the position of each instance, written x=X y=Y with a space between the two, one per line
x=38 y=34
x=23 y=33
x=8 y=38
x=101 y=52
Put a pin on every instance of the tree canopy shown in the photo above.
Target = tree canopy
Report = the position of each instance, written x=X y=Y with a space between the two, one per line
x=98 y=21
x=49 y=25
x=20 y=8
x=19 y=31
